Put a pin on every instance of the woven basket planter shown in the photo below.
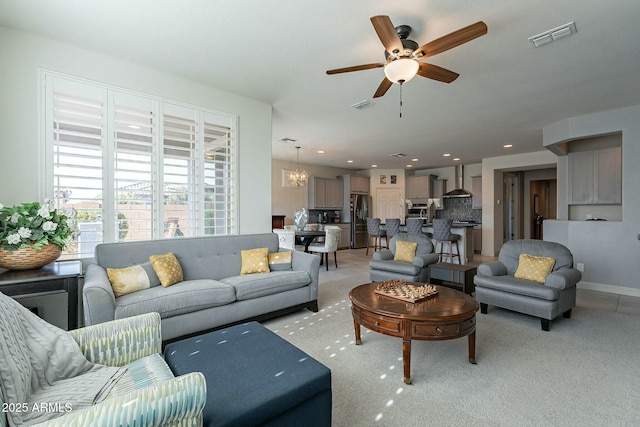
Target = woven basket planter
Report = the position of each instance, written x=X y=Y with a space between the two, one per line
x=29 y=258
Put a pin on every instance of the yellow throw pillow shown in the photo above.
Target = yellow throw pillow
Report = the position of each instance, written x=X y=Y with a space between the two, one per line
x=279 y=261
x=128 y=280
x=405 y=251
x=254 y=261
x=534 y=268
x=167 y=268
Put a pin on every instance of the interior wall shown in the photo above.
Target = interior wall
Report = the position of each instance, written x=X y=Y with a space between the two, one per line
x=286 y=200
x=609 y=250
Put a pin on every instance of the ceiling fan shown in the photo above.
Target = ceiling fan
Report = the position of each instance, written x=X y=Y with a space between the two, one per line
x=403 y=55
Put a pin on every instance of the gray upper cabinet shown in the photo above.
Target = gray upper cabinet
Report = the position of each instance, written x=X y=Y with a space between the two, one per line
x=419 y=187
x=325 y=193
x=439 y=187
x=476 y=192
x=595 y=177
x=359 y=184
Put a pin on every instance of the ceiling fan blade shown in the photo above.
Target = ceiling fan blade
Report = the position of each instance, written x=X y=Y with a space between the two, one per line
x=383 y=88
x=434 y=72
x=452 y=40
x=387 y=34
x=355 y=68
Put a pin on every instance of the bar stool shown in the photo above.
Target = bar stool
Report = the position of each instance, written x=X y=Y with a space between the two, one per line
x=414 y=225
x=392 y=226
x=442 y=234
x=374 y=232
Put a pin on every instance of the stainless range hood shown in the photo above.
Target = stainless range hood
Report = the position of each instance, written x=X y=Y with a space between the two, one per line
x=458 y=191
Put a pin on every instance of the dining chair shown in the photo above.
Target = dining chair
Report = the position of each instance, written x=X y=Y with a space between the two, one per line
x=392 y=227
x=414 y=225
x=286 y=238
x=331 y=239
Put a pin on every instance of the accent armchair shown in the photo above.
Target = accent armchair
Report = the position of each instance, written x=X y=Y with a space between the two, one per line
x=496 y=282
x=145 y=393
x=383 y=266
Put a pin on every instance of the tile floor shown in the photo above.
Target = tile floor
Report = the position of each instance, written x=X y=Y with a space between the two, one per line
x=353 y=264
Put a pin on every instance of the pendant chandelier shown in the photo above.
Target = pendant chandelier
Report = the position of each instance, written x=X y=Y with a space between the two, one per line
x=298 y=178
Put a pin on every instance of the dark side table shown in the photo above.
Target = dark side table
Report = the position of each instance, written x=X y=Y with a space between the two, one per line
x=453 y=275
x=59 y=276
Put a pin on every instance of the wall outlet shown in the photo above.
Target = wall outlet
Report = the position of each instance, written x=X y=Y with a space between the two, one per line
x=580 y=267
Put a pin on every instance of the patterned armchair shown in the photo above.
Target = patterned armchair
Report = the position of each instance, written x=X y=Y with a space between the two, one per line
x=148 y=393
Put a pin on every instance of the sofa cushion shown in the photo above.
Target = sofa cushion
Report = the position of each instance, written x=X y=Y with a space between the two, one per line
x=132 y=279
x=279 y=261
x=535 y=268
x=262 y=284
x=168 y=268
x=405 y=251
x=254 y=261
x=512 y=285
x=183 y=297
x=395 y=267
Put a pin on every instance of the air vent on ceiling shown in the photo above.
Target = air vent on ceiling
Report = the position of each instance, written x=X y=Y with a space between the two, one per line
x=398 y=155
x=555 y=34
x=287 y=140
x=363 y=104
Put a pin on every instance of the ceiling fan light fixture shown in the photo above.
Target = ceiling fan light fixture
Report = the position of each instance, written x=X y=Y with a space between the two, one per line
x=298 y=178
x=401 y=70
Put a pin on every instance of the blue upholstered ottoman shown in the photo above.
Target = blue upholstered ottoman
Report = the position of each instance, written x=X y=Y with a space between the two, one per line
x=254 y=377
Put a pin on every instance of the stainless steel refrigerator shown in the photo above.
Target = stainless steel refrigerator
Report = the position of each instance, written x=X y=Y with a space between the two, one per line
x=360 y=206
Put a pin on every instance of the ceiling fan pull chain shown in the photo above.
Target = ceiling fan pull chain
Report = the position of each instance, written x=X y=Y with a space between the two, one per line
x=400 y=99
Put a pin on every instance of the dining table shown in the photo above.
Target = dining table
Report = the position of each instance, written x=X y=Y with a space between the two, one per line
x=305 y=237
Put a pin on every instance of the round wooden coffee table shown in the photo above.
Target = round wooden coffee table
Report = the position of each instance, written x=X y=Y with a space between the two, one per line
x=447 y=315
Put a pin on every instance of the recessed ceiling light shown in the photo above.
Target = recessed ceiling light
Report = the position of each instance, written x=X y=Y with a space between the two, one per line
x=374 y=166
x=320 y=151
x=409 y=166
x=508 y=145
x=349 y=161
x=446 y=155
x=414 y=160
x=455 y=159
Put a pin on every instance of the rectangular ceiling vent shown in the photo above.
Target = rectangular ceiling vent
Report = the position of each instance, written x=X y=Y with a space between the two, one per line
x=398 y=155
x=363 y=104
x=552 y=35
x=287 y=140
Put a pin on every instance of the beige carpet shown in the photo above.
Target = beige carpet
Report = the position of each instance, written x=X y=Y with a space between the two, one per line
x=584 y=372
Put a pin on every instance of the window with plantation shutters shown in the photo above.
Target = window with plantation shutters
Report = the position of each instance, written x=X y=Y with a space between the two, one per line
x=136 y=167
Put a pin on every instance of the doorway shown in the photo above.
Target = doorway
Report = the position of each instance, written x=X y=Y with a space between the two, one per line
x=542 y=205
x=387 y=204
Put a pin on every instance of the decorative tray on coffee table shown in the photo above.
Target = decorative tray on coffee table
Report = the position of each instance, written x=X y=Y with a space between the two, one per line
x=404 y=291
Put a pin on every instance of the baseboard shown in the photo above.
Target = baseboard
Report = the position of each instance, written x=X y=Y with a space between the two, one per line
x=611 y=289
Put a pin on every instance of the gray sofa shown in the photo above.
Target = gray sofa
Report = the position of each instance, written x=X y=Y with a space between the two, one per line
x=496 y=284
x=383 y=267
x=213 y=293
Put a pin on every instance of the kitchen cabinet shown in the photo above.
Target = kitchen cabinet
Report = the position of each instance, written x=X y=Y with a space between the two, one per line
x=439 y=187
x=345 y=236
x=476 y=192
x=419 y=187
x=477 y=239
x=595 y=177
x=325 y=193
x=359 y=184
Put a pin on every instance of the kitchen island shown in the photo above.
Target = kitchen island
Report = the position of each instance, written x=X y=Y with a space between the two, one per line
x=462 y=229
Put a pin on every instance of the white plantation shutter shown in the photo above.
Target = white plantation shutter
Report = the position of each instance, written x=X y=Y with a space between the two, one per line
x=136 y=167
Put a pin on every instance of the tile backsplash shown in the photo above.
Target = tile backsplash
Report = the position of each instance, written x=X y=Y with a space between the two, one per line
x=459 y=209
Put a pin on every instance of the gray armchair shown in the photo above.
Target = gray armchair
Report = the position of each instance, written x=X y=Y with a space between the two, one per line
x=496 y=284
x=383 y=267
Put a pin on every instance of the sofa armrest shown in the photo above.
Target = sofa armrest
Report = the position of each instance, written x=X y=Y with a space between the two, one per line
x=384 y=255
x=493 y=268
x=122 y=341
x=302 y=261
x=179 y=401
x=425 y=260
x=97 y=296
x=563 y=278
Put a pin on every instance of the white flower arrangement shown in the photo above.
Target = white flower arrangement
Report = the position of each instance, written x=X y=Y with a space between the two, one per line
x=35 y=225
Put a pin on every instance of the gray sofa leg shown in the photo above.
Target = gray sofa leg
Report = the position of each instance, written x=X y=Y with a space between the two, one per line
x=545 y=323
x=567 y=314
x=313 y=306
x=483 y=308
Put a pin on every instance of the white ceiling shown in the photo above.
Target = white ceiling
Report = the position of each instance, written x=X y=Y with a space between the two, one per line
x=278 y=51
